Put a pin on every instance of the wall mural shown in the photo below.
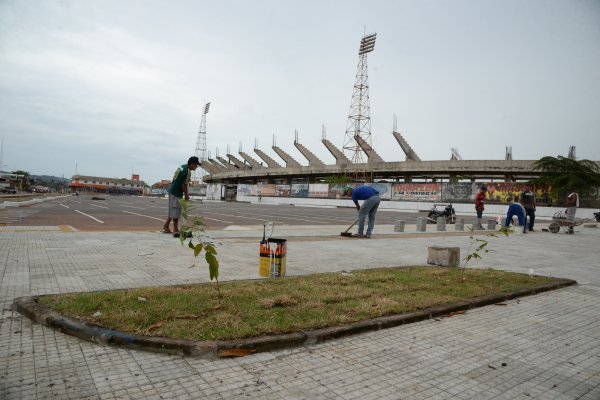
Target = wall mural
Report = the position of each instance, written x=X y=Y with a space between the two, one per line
x=299 y=190
x=461 y=192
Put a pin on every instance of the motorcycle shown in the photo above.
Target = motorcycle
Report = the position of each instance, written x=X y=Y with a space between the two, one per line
x=447 y=213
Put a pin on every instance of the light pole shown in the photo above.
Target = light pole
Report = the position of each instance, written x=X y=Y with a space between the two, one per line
x=359 y=119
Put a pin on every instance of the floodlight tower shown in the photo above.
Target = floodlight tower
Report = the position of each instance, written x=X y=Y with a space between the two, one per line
x=359 y=119
x=199 y=173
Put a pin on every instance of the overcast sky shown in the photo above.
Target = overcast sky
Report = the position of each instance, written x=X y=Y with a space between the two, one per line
x=111 y=87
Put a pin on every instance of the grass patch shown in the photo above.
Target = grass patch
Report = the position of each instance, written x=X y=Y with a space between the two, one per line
x=258 y=307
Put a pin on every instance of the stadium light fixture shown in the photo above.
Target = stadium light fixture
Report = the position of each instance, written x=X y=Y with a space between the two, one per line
x=367 y=44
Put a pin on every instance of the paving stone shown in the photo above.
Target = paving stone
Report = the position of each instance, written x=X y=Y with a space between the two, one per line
x=549 y=339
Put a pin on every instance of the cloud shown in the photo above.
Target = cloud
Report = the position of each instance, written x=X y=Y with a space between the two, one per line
x=115 y=86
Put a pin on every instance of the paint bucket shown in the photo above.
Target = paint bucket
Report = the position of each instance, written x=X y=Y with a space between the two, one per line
x=272 y=254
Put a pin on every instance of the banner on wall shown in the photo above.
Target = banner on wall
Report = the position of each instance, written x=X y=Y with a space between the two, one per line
x=508 y=192
x=336 y=191
x=384 y=189
x=265 y=189
x=458 y=192
x=416 y=192
x=283 y=190
x=299 y=190
x=318 y=190
x=498 y=192
x=504 y=192
x=244 y=189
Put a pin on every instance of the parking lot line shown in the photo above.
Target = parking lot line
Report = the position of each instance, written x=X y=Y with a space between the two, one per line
x=89 y=216
x=142 y=215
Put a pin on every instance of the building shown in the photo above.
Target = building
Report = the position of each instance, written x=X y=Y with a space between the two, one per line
x=96 y=184
x=160 y=188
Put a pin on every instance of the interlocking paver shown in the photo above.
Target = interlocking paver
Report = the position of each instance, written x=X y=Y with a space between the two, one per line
x=550 y=342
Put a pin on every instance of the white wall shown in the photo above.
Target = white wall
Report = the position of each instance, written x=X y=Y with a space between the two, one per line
x=491 y=210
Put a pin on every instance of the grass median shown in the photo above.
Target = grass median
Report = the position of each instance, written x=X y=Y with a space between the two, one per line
x=259 y=307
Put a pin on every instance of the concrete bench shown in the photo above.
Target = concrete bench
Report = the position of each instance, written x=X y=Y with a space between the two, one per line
x=443 y=256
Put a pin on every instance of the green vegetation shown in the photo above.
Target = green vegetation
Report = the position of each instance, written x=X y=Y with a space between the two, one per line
x=196 y=231
x=21 y=172
x=563 y=173
x=478 y=246
x=258 y=307
x=338 y=179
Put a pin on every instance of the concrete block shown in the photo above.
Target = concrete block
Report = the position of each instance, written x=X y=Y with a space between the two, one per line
x=443 y=256
x=491 y=224
x=421 y=224
x=399 y=226
x=441 y=224
x=460 y=224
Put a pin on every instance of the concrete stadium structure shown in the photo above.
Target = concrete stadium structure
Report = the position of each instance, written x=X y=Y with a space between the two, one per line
x=248 y=170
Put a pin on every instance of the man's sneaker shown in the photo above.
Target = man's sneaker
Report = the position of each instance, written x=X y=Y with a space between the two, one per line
x=368 y=236
x=358 y=235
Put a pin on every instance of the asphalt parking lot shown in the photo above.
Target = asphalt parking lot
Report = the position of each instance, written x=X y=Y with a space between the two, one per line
x=121 y=213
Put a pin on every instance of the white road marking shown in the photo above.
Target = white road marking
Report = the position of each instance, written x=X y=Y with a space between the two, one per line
x=230 y=215
x=214 y=219
x=142 y=215
x=318 y=220
x=159 y=219
x=95 y=219
x=123 y=205
x=64 y=206
x=98 y=206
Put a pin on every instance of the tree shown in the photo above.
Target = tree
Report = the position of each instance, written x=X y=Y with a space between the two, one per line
x=563 y=173
x=20 y=172
x=337 y=179
x=204 y=241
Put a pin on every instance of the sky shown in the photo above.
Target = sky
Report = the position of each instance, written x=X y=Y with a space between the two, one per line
x=114 y=87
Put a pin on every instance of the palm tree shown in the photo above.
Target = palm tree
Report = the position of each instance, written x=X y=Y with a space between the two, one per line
x=563 y=173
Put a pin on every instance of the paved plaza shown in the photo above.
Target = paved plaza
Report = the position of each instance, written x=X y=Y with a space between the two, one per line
x=545 y=346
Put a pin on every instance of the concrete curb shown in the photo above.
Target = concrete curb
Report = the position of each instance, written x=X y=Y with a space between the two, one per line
x=38 y=313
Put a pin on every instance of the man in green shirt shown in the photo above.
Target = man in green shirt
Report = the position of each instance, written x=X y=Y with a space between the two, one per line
x=177 y=190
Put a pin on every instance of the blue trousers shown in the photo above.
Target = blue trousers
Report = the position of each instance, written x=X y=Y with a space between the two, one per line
x=519 y=211
x=368 y=207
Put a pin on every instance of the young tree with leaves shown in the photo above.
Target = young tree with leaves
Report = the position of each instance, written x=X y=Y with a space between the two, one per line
x=563 y=173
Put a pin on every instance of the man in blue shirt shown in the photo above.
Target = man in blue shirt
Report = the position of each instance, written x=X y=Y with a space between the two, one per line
x=369 y=207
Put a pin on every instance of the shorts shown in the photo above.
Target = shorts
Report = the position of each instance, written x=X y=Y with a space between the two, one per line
x=174 y=207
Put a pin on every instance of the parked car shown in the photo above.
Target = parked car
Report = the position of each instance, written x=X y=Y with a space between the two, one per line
x=5 y=188
x=40 y=189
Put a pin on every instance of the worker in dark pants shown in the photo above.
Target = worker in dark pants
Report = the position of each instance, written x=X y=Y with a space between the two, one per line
x=528 y=201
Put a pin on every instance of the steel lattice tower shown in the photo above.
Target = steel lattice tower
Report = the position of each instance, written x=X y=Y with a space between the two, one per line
x=359 y=119
x=200 y=152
